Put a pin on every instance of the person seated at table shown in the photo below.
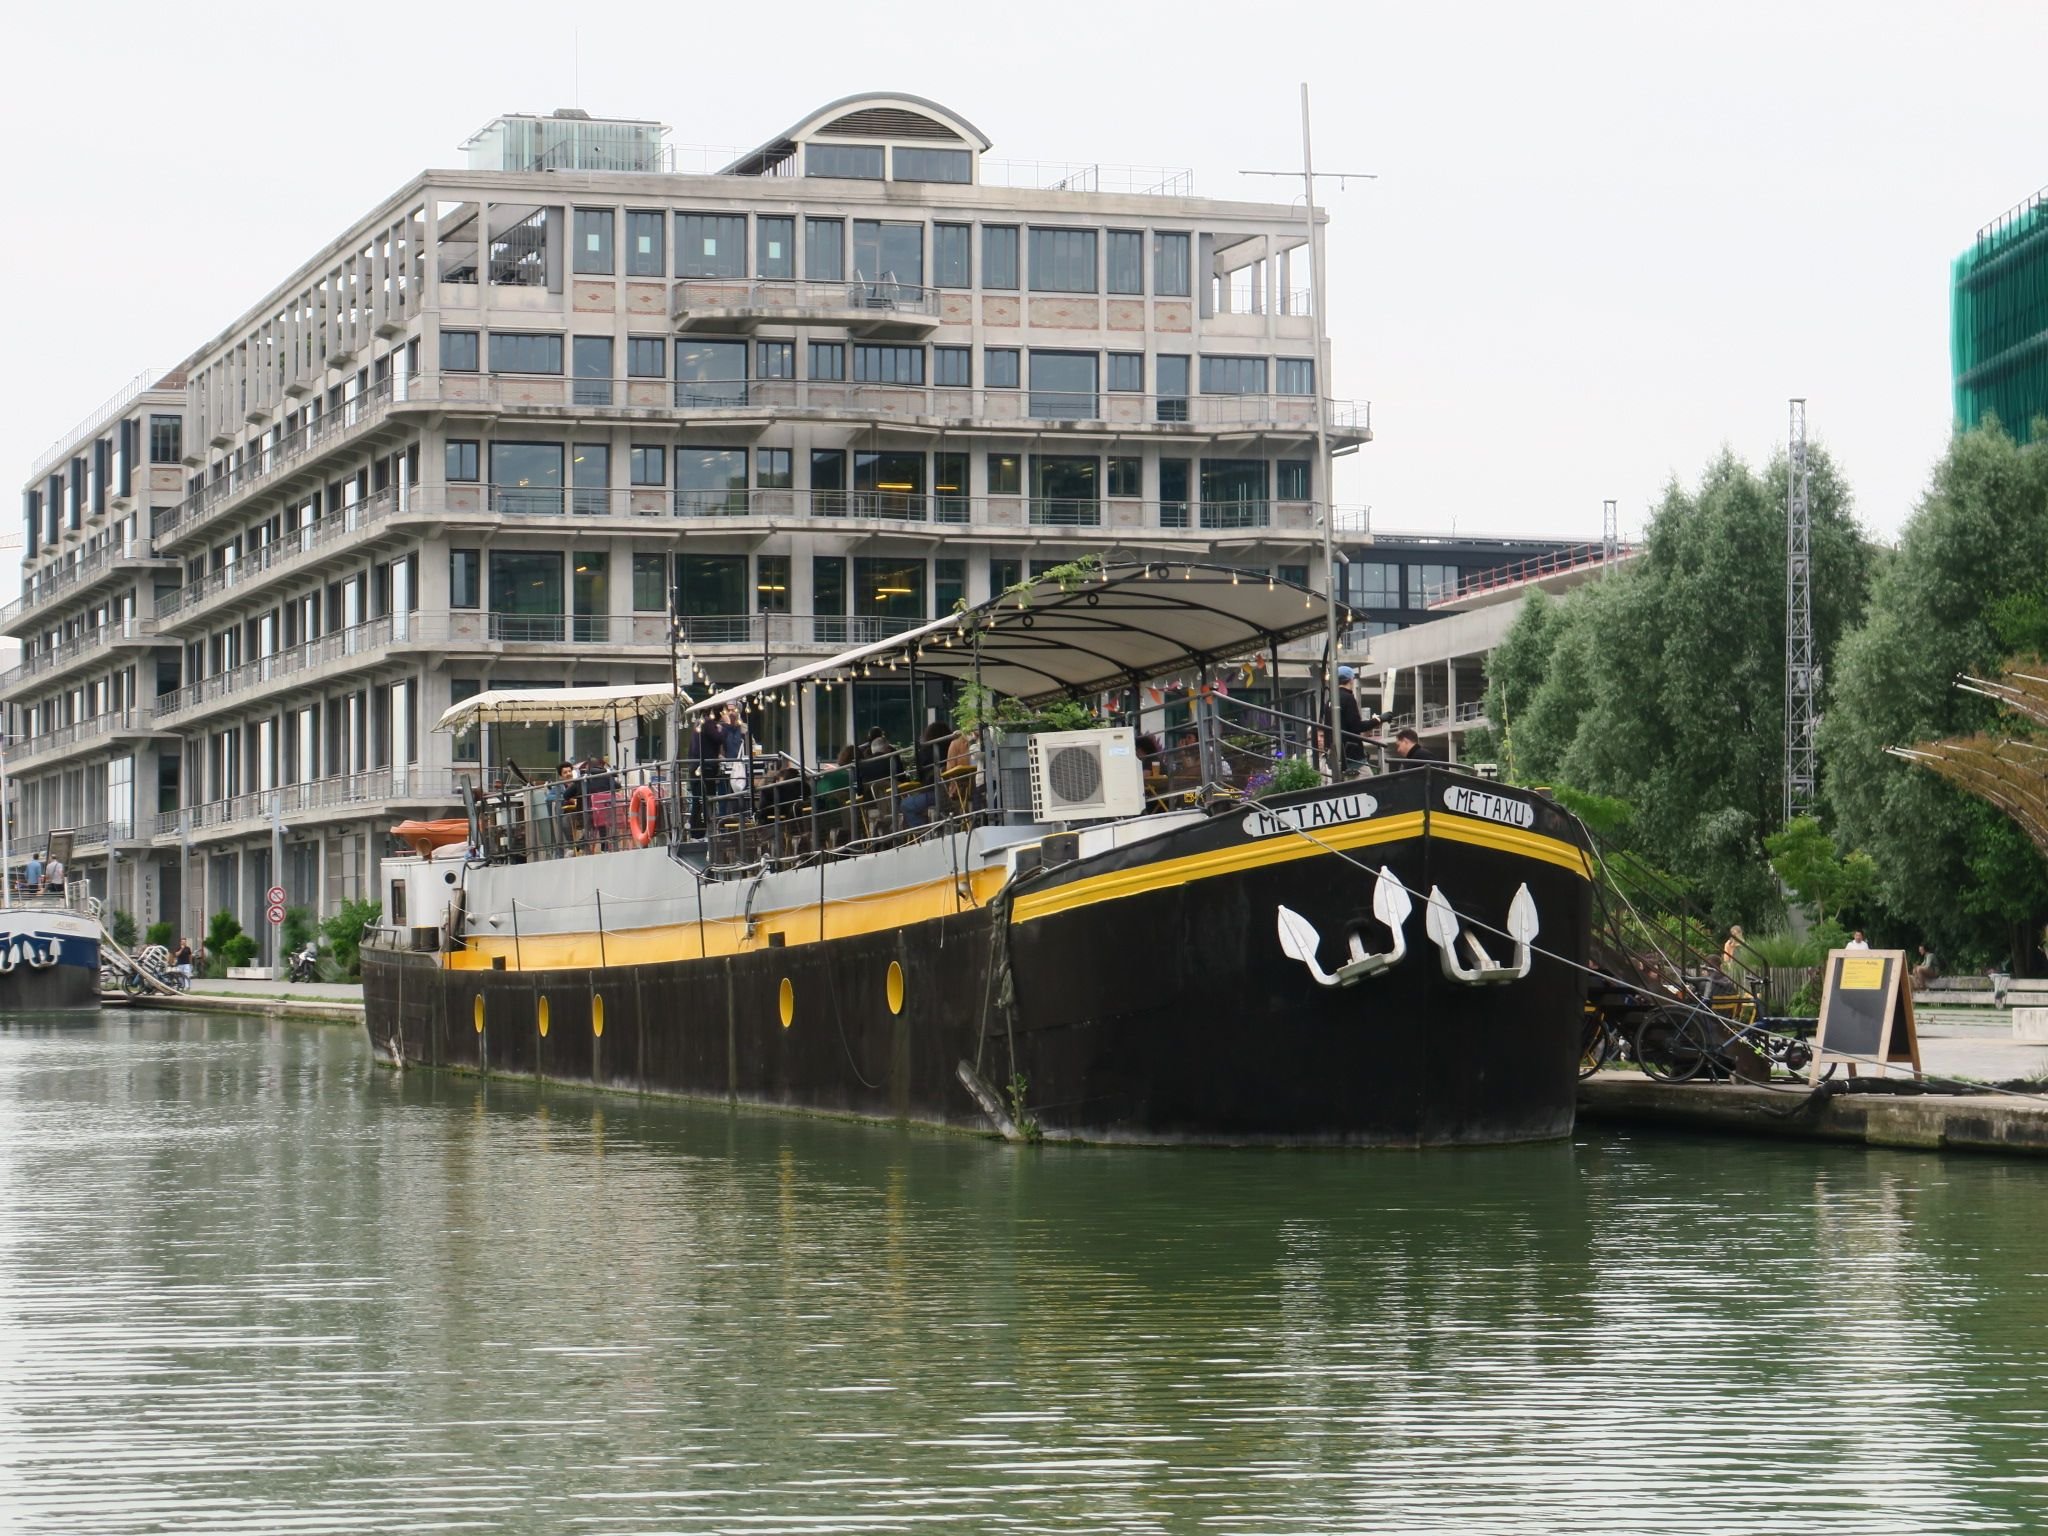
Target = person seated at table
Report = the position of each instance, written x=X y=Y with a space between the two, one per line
x=919 y=804
x=963 y=758
x=833 y=792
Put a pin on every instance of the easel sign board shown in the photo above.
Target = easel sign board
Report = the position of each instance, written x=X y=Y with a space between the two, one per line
x=1866 y=1012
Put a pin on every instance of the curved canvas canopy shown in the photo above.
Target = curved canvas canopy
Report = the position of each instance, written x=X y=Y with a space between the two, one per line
x=561 y=706
x=1113 y=627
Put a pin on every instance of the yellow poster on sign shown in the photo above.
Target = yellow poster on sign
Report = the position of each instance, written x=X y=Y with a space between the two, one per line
x=1862 y=973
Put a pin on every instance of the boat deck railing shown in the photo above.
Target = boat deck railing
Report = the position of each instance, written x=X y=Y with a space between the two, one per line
x=731 y=816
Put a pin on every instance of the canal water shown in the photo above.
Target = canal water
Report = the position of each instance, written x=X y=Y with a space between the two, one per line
x=251 y=1282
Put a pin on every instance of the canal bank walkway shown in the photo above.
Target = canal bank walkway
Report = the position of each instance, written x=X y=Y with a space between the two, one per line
x=333 y=1001
x=1958 y=1051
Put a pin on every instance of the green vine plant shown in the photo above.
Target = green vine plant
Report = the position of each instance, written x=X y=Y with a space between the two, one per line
x=1070 y=575
x=976 y=707
x=1026 y=1123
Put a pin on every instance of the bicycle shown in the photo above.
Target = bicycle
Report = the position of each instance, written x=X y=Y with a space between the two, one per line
x=1677 y=1043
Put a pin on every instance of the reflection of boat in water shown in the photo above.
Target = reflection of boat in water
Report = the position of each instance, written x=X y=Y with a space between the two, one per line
x=1077 y=948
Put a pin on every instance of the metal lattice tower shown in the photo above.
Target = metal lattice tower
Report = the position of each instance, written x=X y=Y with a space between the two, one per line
x=1610 y=533
x=1801 y=674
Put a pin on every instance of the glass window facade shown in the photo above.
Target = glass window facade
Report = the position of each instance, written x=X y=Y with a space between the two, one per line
x=949 y=487
x=1005 y=474
x=1124 y=261
x=888 y=251
x=1126 y=476
x=1126 y=373
x=465 y=578
x=846 y=162
x=1234 y=493
x=647 y=357
x=827 y=361
x=999 y=368
x=1169 y=265
x=1431 y=583
x=526 y=594
x=167 y=436
x=951 y=267
x=953 y=367
x=828 y=483
x=525 y=352
x=459 y=352
x=825 y=250
x=526 y=477
x=1171 y=372
x=646 y=248
x=711 y=482
x=711 y=245
x=710 y=373
x=771 y=469
x=771 y=583
x=920 y=164
x=461 y=460
x=1063 y=386
x=774 y=359
x=647 y=464
x=1294 y=376
x=1292 y=480
x=1370 y=584
x=1063 y=261
x=593 y=241
x=1174 y=480
x=1065 y=489
x=774 y=247
x=876 y=364
x=650 y=583
x=1233 y=375
x=999 y=256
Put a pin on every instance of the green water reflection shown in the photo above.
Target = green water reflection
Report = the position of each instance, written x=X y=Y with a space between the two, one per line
x=249 y=1280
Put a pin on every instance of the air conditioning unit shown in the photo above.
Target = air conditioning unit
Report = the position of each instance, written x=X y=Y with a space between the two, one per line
x=1086 y=775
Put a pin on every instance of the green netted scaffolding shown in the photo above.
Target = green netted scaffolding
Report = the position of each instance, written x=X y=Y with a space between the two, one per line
x=1998 y=338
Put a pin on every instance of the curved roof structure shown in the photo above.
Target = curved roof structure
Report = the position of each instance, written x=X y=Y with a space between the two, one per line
x=1106 y=628
x=881 y=115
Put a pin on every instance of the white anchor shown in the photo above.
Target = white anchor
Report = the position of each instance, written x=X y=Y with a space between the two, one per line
x=1441 y=924
x=1390 y=904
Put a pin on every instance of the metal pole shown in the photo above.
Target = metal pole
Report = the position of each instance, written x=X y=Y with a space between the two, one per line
x=276 y=936
x=1316 y=291
x=6 y=852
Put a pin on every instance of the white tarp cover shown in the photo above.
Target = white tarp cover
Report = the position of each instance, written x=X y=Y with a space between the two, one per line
x=550 y=706
x=1127 y=624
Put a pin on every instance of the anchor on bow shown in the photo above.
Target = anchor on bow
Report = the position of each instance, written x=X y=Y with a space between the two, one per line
x=1390 y=904
x=1442 y=926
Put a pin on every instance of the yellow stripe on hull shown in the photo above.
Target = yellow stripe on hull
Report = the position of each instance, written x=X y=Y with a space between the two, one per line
x=1284 y=849
x=837 y=918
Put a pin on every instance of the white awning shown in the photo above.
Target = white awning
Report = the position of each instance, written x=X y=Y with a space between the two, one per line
x=563 y=706
x=1122 y=625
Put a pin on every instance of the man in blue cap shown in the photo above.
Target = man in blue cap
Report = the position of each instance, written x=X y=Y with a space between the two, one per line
x=1351 y=756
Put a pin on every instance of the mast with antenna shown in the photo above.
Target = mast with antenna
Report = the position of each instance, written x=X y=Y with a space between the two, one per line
x=1317 y=288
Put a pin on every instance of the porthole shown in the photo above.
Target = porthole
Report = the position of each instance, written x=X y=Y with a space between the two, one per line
x=597 y=1015
x=785 y=1002
x=477 y=1013
x=895 y=987
x=541 y=1013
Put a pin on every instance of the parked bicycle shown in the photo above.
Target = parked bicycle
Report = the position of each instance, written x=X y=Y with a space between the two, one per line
x=1677 y=1043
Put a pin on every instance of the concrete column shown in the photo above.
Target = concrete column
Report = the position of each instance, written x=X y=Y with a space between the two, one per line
x=1451 y=710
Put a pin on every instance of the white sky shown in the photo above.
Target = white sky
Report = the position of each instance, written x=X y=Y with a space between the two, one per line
x=1605 y=241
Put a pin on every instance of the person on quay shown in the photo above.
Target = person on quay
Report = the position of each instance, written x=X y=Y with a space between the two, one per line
x=1926 y=970
x=1857 y=941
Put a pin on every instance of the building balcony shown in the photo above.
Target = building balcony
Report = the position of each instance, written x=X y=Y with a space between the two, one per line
x=752 y=406
x=78 y=580
x=62 y=660
x=298 y=546
x=377 y=792
x=903 y=311
x=86 y=736
x=348 y=424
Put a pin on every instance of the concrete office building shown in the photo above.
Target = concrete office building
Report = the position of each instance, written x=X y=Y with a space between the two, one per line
x=493 y=431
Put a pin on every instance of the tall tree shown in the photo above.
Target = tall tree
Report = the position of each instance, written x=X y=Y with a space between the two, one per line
x=1969 y=585
x=1664 y=684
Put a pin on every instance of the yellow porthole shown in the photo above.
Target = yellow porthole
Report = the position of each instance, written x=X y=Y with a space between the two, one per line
x=597 y=1014
x=895 y=987
x=542 y=1013
x=785 y=1001
x=477 y=1013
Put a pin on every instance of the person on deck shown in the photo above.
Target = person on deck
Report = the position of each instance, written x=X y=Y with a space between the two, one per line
x=598 y=793
x=53 y=876
x=32 y=875
x=708 y=749
x=930 y=757
x=1409 y=748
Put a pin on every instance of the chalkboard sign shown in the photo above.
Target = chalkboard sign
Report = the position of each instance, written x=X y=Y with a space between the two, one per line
x=1866 y=1012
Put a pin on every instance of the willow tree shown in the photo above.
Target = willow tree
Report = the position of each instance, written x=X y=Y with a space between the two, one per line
x=1663 y=684
x=1968 y=587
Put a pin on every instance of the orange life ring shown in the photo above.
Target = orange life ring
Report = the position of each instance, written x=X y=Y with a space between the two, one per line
x=642 y=811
